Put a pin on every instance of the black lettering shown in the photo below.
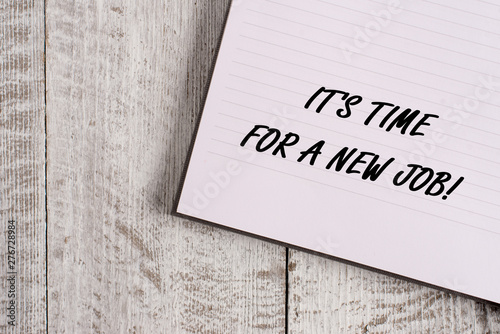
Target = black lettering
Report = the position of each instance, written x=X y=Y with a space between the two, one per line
x=358 y=160
x=341 y=158
x=439 y=181
x=374 y=170
x=312 y=98
x=420 y=123
x=351 y=101
x=289 y=140
x=271 y=132
x=396 y=180
x=425 y=171
x=253 y=133
x=403 y=120
x=315 y=150
x=453 y=187
x=379 y=105
x=388 y=116
x=331 y=93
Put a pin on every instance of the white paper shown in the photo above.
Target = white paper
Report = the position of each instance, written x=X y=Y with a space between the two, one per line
x=438 y=57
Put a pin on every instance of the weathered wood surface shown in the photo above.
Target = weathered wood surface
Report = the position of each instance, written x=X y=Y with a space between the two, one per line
x=327 y=296
x=22 y=161
x=125 y=80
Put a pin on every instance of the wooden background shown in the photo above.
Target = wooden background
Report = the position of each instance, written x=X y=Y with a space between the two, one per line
x=98 y=101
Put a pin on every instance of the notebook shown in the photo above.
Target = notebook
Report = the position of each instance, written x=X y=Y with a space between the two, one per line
x=364 y=130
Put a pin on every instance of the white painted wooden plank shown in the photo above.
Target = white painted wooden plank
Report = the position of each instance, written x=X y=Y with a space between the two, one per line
x=327 y=296
x=22 y=163
x=125 y=80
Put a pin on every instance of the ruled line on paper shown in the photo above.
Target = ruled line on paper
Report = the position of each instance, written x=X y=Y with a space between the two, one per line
x=269 y=85
x=400 y=164
x=328 y=45
x=382 y=46
x=389 y=133
x=349 y=79
x=316 y=84
x=363 y=83
x=380 y=144
x=323 y=170
x=360 y=68
x=365 y=112
x=460 y=95
x=413 y=82
x=461 y=24
x=490 y=3
x=386 y=33
x=411 y=25
x=356 y=193
x=253 y=77
x=461 y=10
x=395 y=21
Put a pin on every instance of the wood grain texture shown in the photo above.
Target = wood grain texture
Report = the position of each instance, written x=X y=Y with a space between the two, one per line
x=327 y=296
x=125 y=83
x=22 y=160
x=125 y=80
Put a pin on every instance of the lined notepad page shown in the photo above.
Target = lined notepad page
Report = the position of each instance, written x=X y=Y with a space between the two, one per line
x=441 y=57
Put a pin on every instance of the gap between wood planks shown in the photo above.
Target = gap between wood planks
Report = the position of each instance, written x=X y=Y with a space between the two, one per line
x=46 y=160
x=286 y=290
